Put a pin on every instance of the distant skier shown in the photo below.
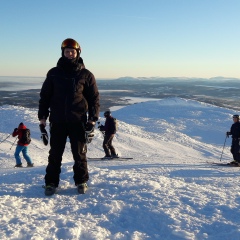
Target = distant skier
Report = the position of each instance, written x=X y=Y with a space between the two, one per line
x=235 y=132
x=22 y=146
x=109 y=130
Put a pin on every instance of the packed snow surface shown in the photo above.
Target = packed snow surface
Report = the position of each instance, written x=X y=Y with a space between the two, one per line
x=167 y=191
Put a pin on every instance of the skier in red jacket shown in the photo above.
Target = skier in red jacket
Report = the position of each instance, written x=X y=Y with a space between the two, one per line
x=22 y=145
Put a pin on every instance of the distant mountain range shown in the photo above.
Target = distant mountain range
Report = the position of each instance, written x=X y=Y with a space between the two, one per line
x=220 y=91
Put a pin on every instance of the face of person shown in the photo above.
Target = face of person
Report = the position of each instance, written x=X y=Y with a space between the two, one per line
x=235 y=119
x=70 y=53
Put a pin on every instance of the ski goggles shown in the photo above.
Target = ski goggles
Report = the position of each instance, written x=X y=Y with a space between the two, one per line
x=70 y=43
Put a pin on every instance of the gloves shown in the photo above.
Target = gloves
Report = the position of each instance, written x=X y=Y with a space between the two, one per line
x=228 y=134
x=89 y=127
x=101 y=128
x=89 y=132
x=44 y=135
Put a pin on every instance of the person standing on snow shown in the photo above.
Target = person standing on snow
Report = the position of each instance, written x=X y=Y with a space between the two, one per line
x=22 y=145
x=110 y=129
x=67 y=95
x=235 y=132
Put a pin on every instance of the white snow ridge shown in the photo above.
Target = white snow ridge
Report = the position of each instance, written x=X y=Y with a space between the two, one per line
x=167 y=191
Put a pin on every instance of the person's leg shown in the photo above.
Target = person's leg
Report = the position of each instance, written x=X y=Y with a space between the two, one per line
x=16 y=154
x=231 y=149
x=25 y=155
x=105 y=145
x=235 y=151
x=79 y=150
x=58 y=136
x=110 y=146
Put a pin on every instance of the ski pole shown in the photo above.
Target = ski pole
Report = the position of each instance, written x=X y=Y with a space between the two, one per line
x=223 y=148
x=13 y=143
x=5 y=138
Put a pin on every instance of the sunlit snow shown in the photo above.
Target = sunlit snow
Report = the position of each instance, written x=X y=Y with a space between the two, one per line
x=168 y=191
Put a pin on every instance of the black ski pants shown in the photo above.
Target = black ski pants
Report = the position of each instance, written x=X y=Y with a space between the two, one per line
x=235 y=148
x=58 y=136
x=107 y=145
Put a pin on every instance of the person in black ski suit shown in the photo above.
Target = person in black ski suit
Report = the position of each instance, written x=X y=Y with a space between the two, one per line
x=235 y=132
x=70 y=98
x=110 y=129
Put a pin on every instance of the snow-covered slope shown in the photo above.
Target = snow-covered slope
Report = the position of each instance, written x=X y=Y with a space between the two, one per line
x=167 y=191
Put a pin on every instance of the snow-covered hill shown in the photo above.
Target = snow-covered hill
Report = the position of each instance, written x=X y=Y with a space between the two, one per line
x=167 y=191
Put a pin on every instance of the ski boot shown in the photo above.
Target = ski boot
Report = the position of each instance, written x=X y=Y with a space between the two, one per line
x=114 y=156
x=18 y=165
x=82 y=188
x=106 y=157
x=234 y=162
x=50 y=189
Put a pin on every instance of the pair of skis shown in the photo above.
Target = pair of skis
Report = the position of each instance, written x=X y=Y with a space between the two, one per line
x=223 y=164
x=110 y=159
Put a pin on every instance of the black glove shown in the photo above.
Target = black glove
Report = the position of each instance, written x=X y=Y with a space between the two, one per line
x=89 y=127
x=44 y=135
x=15 y=129
x=89 y=132
x=101 y=128
x=228 y=134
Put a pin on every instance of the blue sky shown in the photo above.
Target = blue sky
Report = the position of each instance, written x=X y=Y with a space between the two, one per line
x=164 y=38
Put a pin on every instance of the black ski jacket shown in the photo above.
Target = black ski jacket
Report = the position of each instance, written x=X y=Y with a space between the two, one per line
x=235 y=131
x=69 y=93
x=109 y=126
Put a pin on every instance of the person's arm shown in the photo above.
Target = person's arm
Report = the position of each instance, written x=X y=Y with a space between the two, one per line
x=43 y=122
x=229 y=133
x=15 y=132
x=92 y=96
x=45 y=98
